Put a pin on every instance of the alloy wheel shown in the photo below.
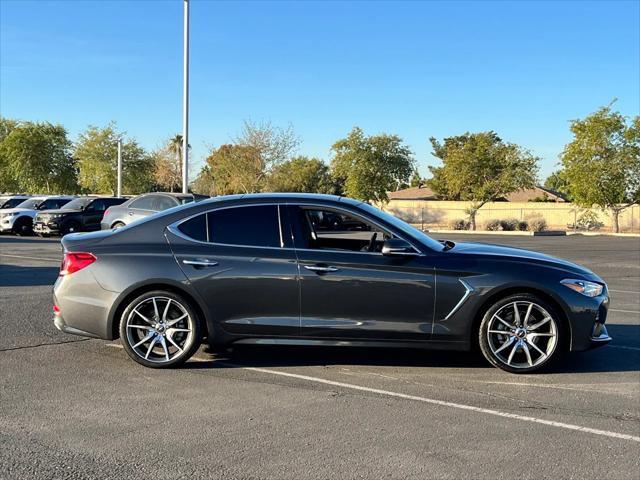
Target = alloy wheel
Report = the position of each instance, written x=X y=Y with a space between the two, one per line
x=522 y=335
x=159 y=330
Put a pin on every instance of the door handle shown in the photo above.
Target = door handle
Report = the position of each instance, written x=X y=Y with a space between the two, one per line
x=200 y=263
x=321 y=269
x=130 y=213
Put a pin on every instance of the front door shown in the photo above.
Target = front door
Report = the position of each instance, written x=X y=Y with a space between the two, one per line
x=243 y=268
x=348 y=289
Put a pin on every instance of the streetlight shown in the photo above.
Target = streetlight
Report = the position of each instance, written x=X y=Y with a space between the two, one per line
x=185 y=102
x=119 y=189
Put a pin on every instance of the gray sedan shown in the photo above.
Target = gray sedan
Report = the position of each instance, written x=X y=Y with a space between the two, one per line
x=143 y=206
x=258 y=269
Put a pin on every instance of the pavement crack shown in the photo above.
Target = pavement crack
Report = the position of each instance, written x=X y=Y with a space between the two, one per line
x=26 y=347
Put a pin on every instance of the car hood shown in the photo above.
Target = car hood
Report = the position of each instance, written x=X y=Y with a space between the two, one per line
x=521 y=255
x=16 y=210
x=59 y=210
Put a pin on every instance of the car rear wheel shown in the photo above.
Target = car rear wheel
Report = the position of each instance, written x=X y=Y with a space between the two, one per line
x=521 y=334
x=117 y=225
x=159 y=329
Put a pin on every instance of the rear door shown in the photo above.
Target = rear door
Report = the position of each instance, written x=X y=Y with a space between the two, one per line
x=243 y=266
x=348 y=289
x=92 y=215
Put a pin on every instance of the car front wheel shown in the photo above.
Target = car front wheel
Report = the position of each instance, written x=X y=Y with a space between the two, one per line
x=521 y=334
x=159 y=329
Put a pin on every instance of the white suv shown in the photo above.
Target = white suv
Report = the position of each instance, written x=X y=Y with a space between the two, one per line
x=19 y=220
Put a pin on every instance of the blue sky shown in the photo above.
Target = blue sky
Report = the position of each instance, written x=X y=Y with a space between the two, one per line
x=416 y=69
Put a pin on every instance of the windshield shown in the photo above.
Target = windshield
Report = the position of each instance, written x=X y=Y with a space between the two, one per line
x=31 y=204
x=404 y=226
x=77 y=204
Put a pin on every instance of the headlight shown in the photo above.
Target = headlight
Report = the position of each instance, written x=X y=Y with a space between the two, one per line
x=590 y=289
x=10 y=214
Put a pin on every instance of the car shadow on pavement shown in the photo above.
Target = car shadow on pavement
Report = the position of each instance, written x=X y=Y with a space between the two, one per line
x=23 y=240
x=18 y=276
x=622 y=355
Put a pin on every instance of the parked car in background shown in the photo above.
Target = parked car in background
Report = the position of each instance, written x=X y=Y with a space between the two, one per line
x=19 y=220
x=145 y=205
x=82 y=214
x=12 y=201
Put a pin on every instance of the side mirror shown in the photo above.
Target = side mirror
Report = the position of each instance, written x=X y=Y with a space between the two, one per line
x=396 y=247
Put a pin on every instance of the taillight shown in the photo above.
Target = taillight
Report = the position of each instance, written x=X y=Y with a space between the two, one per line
x=74 y=261
x=106 y=212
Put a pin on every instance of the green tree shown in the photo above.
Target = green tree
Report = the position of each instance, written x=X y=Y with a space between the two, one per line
x=36 y=157
x=300 y=174
x=235 y=169
x=480 y=168
x=369 y=167
x=167 y=170
x=558 y=183
x=602 y=162
x=97 y=155
x=416 y=180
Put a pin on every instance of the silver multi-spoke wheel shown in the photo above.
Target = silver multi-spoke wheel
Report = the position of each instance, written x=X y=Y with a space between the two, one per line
x=522 y=334
x=159 y=329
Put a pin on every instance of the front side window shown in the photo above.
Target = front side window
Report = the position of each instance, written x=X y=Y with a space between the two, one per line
x=254 y=226
x=53 y=203
x=330 y=229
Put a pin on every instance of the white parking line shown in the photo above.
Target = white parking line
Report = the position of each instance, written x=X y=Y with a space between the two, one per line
x=623 y=311
x=460 y=406
x=30 y=258
x=624 y=347
x=625 y=291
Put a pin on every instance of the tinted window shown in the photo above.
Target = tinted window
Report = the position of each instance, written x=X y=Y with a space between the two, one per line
x=252 y=226
x=162 y=203
x=144 y=203
x=109 y=202
x=98 y=205
x=195 y=228
x=14 y=202
x=53 y=203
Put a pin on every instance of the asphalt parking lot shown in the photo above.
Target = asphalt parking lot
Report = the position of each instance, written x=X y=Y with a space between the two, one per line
x=78 y=408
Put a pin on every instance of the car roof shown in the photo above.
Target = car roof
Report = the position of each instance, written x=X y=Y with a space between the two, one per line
x=284 y=196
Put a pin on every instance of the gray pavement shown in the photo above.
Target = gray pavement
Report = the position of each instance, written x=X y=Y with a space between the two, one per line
x=77 y=408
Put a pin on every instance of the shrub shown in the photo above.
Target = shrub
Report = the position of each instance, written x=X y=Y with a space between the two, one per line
x=537 y=224
x=460 y=224
x=509 y=225
x=522 y=226
x=588 y=221
x=494 y=225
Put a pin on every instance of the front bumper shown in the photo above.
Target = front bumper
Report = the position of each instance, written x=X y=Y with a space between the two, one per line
x=46 y=228
x=588 y=319
x=6 y=224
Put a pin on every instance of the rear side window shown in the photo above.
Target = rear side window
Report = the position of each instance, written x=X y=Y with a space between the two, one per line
x=251 y=226
x=144 y=203
x=98 y=205
x=195 y=228
x=163 y=203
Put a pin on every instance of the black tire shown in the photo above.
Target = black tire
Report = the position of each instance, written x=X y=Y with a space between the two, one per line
x=531 y=347
x=117 y=225
x=70 y=227
x=155 y=350
x=23 y=226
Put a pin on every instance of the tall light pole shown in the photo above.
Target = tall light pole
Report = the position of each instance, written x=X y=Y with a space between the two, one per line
x=185 y=102
x=119 y=189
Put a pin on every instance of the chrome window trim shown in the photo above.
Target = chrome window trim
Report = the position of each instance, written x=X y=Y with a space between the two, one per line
x=173 y=227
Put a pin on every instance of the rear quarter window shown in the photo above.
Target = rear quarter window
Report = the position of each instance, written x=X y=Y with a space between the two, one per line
x=195 y=228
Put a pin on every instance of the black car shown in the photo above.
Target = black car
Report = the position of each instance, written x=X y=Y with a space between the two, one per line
x=80 y=215
x=253 y=269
